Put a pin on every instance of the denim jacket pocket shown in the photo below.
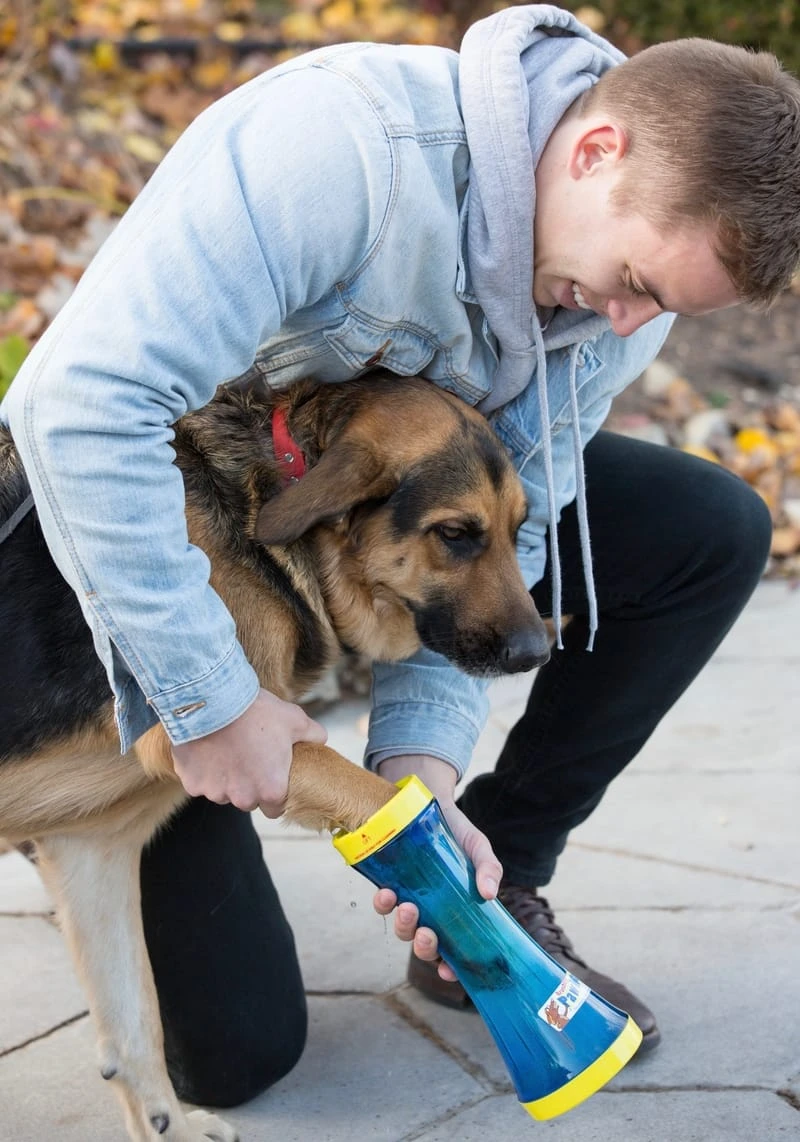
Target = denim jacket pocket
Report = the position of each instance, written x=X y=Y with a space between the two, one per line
x=287 y=359
x=518 y=423
x=365 y=344
x=588 y=366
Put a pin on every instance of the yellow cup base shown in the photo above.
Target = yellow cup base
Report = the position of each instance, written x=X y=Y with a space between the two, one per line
x=596 y=1075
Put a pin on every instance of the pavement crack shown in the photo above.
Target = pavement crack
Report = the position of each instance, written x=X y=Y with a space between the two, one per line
x=473 y=1069
x=44 y=1035
x=341 y=993
x=790 y=1096
x=735 y=909
x=689 y=865
x=448 y=1116
x=25 y=915
x=689 y=1088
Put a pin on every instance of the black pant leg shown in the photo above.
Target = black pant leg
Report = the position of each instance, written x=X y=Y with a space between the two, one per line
x=223 y=955
x=678 y=547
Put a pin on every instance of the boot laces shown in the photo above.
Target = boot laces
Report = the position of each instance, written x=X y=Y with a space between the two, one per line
x=534 y=914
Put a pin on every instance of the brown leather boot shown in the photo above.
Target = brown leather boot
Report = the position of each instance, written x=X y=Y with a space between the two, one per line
x=534 y=914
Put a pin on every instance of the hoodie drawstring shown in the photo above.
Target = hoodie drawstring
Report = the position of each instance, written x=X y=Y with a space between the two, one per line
x=580 y=482
x=16 y=518
x=547 y=448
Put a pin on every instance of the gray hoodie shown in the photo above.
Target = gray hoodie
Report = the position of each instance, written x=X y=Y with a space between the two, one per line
x=519 y=72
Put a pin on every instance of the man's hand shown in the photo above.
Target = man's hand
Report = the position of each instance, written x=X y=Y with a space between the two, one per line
x=247 y=763
x=440 y=778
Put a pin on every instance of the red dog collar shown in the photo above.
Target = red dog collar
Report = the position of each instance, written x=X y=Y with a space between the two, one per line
x=287 y=452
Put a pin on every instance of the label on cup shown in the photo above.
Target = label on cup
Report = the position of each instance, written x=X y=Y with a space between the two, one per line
x=566 y=1001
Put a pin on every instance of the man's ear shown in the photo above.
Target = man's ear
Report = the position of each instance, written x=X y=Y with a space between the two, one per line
x=347 y=474
x=596 y=147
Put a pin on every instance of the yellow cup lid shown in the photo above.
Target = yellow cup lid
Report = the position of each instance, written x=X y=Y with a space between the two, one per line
x=389 y=820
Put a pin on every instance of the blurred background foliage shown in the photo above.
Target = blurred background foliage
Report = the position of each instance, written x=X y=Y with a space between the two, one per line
x=94 y=92
x=769 y=24
x=102 y=27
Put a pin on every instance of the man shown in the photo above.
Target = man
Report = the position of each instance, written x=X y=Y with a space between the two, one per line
x=515 y=223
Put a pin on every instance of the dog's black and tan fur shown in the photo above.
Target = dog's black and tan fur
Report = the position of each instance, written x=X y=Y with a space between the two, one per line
x=401 y=532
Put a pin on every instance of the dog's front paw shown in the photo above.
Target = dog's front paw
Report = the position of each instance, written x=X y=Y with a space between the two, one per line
x=205 y=1125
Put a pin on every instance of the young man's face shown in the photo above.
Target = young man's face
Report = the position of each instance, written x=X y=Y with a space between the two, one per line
x=588 y=255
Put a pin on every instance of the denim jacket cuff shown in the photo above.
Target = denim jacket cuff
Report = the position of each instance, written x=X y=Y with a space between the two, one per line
x=420 y=727
x=197 y=708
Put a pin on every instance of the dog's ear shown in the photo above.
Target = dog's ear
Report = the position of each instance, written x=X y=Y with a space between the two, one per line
x=347 y=474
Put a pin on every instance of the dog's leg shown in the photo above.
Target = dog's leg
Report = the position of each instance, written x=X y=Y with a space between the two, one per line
x=95 y=882
x=326 y=791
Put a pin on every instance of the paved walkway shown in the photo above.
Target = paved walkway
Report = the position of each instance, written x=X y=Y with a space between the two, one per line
x=685 y=883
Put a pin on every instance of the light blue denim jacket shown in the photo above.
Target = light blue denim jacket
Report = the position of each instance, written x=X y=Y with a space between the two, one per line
x=320 y=218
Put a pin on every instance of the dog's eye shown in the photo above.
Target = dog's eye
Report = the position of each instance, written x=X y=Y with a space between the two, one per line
x=450 y=533
x=463 y=541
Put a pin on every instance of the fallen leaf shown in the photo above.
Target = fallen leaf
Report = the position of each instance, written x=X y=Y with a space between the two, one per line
x=785 y=541
x=749 y=439
x=212 y=73
x=769 y=485
x=303 y=27
x=144 y=148
x=680 y=400
x=106 y=57
x=40 y=254
x=593 y=18
x=784 y=417
x=24 y=318
x=13 y=351
x=701 y=451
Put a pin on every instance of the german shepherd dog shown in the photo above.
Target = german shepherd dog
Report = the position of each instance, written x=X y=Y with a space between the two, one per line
x=400 y=533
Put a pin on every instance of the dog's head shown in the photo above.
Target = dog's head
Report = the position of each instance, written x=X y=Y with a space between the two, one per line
x=415 y=508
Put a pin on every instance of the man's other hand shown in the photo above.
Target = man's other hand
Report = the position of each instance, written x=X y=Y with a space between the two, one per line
x=440 y=778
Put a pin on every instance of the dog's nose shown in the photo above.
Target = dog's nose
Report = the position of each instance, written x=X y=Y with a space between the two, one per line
x=524 y=650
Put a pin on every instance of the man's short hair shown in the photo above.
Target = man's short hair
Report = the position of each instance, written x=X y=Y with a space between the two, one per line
x=714 y=139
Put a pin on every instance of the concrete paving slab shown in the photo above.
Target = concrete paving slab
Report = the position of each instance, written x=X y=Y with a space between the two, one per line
x=487 y=749
x=683 y=883
x=591 y=878
x=344 y=946
x=740 y=824
x=464 y=1031
x=769 y=626
x=723 y=1000
x=742 y=710
x=342 y=943
x=346 y=723
x=38 y=989
x=725 y=988
x=738 y=717
x=509 y=694
x=52 y=1089
x=269 y=829
x=365 y=1073
x=692 y=1116
x=362 y=1070
x=21 y=889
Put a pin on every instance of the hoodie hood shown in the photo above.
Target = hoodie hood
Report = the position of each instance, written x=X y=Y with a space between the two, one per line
x=519 y=71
